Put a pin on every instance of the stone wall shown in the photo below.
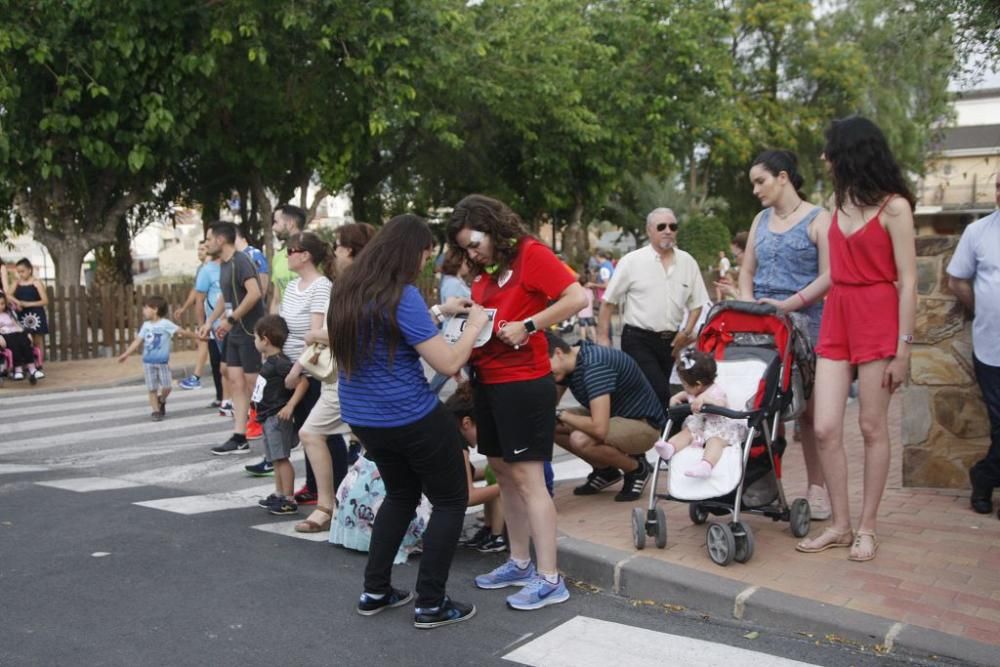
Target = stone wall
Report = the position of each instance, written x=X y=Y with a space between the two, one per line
x=945 y=428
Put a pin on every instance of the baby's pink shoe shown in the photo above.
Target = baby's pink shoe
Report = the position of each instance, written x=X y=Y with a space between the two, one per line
x=701 y=470
x=664 y=449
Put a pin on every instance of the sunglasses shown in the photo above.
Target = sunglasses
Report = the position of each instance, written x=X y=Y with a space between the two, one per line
x=296 y=251
x=663 y=225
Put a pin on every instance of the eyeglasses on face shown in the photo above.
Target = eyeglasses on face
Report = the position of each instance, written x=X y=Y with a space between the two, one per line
x=663 y=225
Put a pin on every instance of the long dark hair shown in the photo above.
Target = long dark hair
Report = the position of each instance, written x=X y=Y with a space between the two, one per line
x=318 y=249
x=494 y=218
x=364 y=300
x=864 y=169
x=776 y=161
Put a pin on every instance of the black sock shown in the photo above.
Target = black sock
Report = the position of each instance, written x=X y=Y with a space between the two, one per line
x=239 y=437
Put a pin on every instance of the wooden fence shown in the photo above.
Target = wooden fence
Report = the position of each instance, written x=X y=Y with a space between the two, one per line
x=102 y=322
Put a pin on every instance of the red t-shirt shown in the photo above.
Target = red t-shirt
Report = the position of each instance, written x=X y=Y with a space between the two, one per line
x=535 y=278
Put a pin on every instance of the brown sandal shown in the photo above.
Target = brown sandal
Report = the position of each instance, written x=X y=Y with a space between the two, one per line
x=310 y=526
x=857 y=543
x=837 y=541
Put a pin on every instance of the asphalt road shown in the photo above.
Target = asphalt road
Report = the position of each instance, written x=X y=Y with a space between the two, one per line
x=88 y=577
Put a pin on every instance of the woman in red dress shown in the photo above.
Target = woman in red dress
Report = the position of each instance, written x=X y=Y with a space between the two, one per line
x=868 y=321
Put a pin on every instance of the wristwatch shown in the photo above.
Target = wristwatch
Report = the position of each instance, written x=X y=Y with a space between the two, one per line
x=907 y=338
x=529 y=326
x=231 y=320
x=436 y=311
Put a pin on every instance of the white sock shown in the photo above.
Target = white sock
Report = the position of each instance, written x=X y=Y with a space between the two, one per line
x=375 y=596
x=551 y=578
x=522 y=564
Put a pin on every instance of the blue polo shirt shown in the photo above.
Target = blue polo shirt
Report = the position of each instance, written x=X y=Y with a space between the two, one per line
x=379 y=396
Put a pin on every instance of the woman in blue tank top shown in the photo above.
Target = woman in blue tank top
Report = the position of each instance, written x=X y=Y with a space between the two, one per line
x=786 y=251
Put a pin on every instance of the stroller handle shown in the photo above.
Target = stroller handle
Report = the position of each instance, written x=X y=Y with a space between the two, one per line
x=726 y=412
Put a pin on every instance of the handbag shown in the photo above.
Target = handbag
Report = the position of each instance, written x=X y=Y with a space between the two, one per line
x=317 y=360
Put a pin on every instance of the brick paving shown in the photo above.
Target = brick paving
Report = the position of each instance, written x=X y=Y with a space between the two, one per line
x=938 y=565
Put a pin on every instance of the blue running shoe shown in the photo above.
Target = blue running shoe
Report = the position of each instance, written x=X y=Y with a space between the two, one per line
x=537 y=594
x=508 y=574
x=190 y=382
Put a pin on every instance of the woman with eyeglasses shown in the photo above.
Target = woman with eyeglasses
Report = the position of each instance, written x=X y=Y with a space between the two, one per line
x=527 y=289
x=786 y=252
x=320 y=426
x=380 y=329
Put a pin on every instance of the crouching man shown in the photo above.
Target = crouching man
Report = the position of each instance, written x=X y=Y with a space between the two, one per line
x=621 y=420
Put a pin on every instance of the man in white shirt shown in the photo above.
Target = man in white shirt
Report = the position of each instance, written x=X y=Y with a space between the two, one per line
x=974 y=277
x=653 y=287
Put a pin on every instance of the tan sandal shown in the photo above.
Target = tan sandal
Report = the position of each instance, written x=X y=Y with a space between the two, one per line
x=839 y=539
x=310 y=526
x=857 y=544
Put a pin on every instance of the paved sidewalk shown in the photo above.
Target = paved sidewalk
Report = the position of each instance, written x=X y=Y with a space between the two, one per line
x=98 y=373
x=938 y=565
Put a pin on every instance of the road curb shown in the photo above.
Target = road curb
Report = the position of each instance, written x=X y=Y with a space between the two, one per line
x=642 y=578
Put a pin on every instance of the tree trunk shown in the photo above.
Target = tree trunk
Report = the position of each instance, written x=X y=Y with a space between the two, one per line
x=68 y=258
x=575 y=244
x=262 y=209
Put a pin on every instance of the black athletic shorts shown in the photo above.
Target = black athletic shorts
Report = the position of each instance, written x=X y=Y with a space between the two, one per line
x=241 y=352
x=516 y=420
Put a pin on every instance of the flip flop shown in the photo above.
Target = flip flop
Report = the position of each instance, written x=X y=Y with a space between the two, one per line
x=310 y=526
x=857 y=543
x=838 y=541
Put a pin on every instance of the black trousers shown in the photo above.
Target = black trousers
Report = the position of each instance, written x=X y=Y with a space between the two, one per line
x=423 y=456
x=215 y=361
x=19 y=344
x=653 y=353
x=334 y=443
x=987 y=470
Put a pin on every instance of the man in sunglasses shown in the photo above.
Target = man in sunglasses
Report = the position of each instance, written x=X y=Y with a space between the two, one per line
x=655 y=287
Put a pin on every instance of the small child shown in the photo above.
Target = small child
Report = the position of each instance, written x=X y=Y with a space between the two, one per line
x=16 y=339
x=156 y=335
x=275 y=404
x=31 y=298
x=713 y=432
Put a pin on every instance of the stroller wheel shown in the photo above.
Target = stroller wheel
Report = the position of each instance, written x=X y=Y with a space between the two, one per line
x=639 y=528
x=744 y=541
x=721 y=544
x=697 y=514
x=661 y=528
x=799 y=517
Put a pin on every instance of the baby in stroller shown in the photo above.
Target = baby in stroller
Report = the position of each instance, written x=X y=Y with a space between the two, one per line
x=697 y=371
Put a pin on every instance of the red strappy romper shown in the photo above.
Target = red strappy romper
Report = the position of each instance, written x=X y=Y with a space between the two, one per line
x=861 y=314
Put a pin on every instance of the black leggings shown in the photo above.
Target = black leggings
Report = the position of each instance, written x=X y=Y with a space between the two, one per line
x=425 y=456
x=19 y=344
x=215 y=361
x=334 y=443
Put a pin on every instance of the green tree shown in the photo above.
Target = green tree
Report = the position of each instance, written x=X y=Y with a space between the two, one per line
x=96 y=100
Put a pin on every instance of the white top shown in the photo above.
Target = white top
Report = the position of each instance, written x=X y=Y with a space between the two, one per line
x=652 y=297
x=297 y=308
x=724 y=267
x=977 y=258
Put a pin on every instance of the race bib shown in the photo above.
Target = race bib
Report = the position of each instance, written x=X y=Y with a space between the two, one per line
x=454 y=326
x=258 y=390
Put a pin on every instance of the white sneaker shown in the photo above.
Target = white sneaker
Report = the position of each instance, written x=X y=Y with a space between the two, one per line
x=18 y=375
x=39 y=374
x=819 y=503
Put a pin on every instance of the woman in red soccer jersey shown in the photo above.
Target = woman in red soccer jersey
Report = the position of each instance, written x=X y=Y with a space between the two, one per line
x=868 y=320
x=527 y=289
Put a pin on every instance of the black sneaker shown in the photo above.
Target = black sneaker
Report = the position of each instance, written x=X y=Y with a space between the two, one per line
x=369 y=606
x=231 y=446
x=481 y=536
x=284 y=506
x=156 y=416
x=635 y=481
x=981 y=498
x=262 y=469
x=446 y=613
x=492 y=544
x=163 y=406
x=269 y=502
x=597 y=481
